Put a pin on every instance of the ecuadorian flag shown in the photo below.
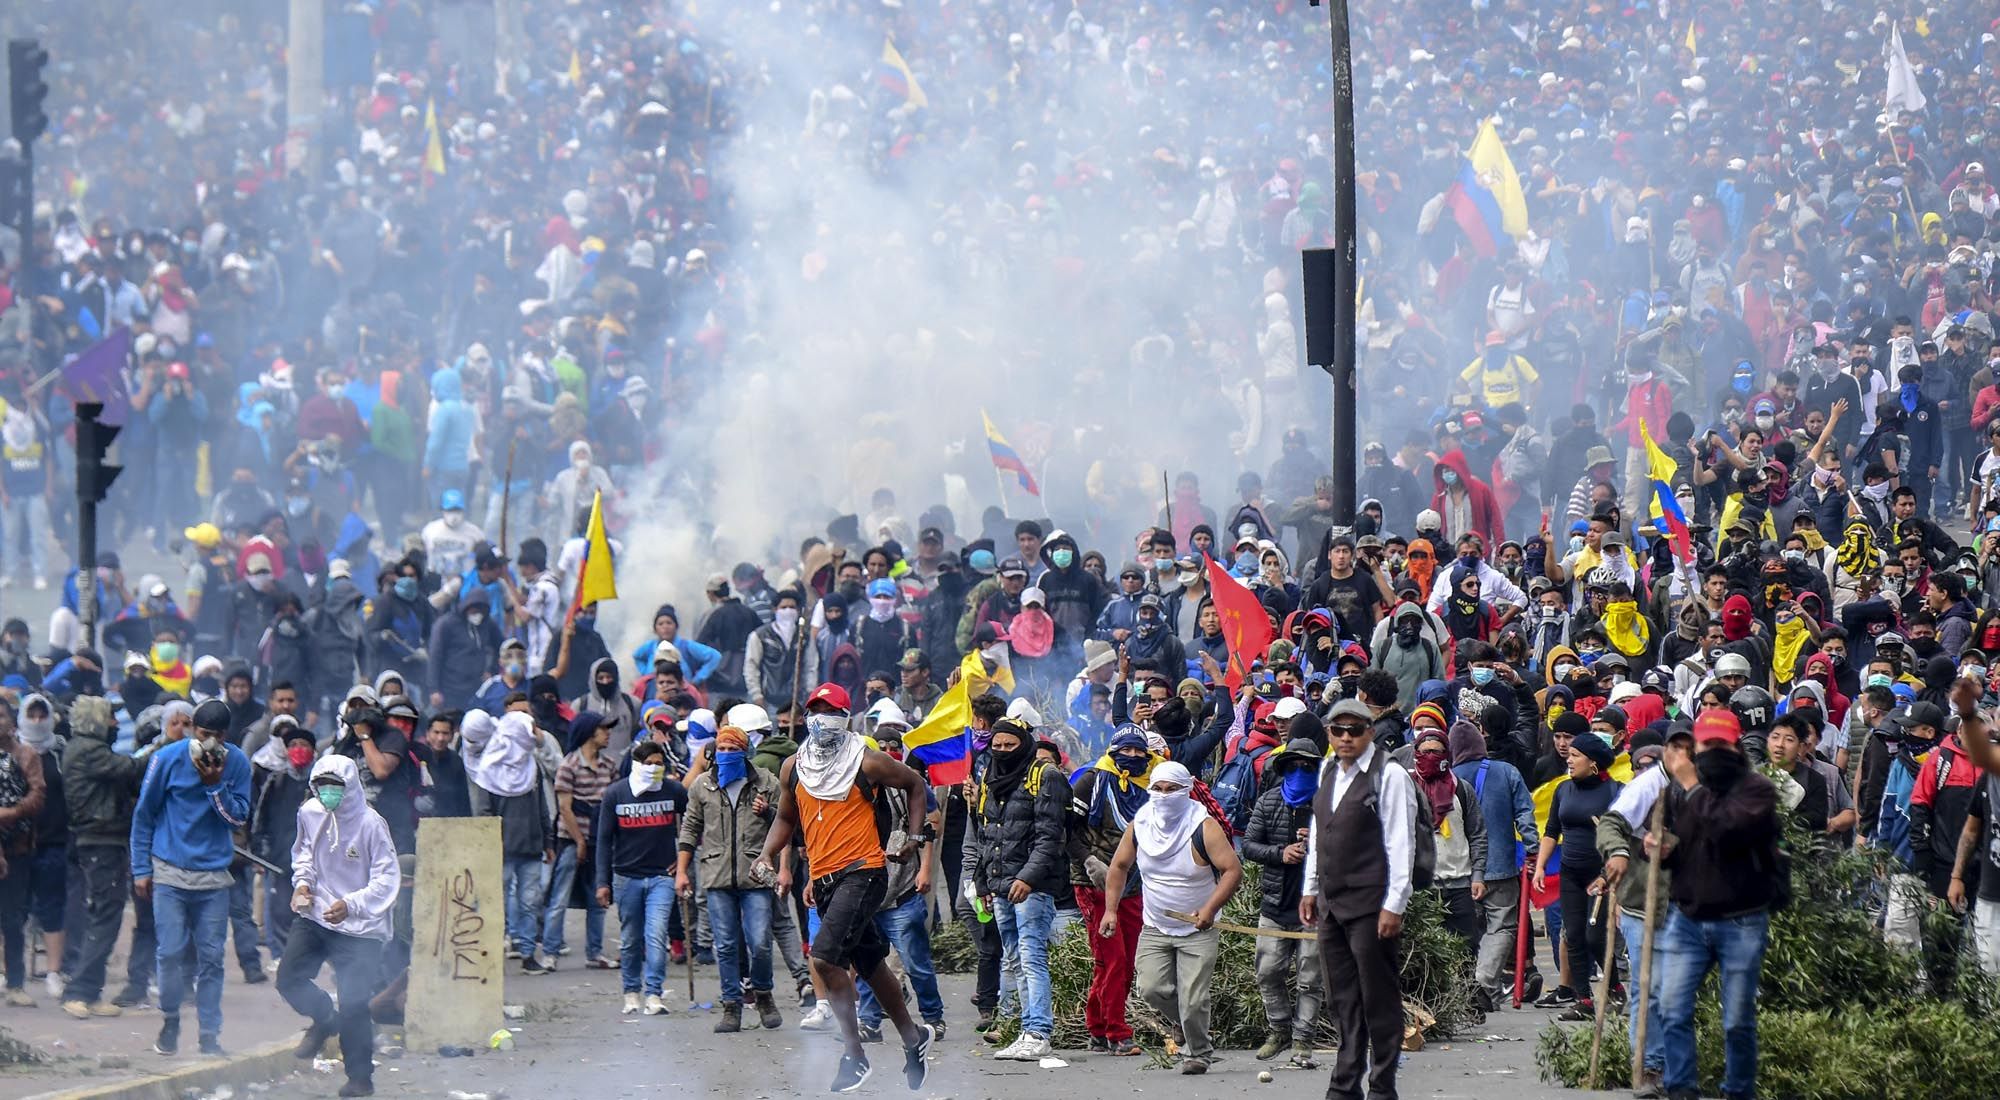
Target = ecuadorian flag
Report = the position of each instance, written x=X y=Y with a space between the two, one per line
x=942 y=742
x=1666 y=507
x=1486 y=200
x=1007 y=458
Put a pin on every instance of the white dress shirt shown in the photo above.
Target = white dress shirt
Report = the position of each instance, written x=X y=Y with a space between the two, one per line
x=1397 y=808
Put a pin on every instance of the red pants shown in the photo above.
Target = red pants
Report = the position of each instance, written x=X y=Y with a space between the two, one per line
x=1111 y=959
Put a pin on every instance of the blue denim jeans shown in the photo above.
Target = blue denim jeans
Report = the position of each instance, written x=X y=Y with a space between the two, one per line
x=1024 y=930
x=27 y=514
x=906 y=927
x=643 y=905
x=200 y=916
x=560 y=880
x=740 y=920
x=1630 y=929
x=521 y=884
x=1693 y=947
x=277 y=912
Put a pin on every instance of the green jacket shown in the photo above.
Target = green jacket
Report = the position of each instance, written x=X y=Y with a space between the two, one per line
x=393 y=435
x=773 y=751
x=1619 y=837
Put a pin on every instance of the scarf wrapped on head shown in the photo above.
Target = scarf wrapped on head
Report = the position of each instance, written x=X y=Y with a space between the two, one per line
x=1857 y=555
x=1119 y=796
x=1434 y=773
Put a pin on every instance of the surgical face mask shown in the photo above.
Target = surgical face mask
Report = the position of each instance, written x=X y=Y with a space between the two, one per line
x=1880 y=679
x=1796 y=557
x=406 y=587
x=786 y=616
x=1765 y=420
x=476 y=618
x=1449 y=477
x=261 y=582
x=1973 y=672
x=1563 y=670
x=514 y=668
x=167 y=652
x=1062 y=558
x=331 y=795
x=299 y=755
x=1482 y=675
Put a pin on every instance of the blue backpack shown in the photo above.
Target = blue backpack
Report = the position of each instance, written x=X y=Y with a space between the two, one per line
x=1236 y=785
x=1893 y=830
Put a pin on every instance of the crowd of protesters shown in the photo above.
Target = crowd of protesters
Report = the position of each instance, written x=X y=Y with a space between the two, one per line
x=374 y=393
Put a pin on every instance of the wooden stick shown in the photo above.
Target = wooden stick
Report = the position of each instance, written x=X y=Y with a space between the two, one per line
x=506 y=495
x=687 y=922
x=1523 y=930
x=1653 y=828
x=1244 y=929
x=1603 y=982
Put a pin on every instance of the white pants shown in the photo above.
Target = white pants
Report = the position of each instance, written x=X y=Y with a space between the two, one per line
x=1903 y=923
x=1986 y=936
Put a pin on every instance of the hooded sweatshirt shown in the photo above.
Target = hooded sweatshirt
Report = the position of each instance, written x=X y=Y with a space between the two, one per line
x=346 y=855
x=1474 y=510
x=618 y=705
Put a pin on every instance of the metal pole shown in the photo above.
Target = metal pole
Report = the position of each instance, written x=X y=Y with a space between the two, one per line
x=1342 y=364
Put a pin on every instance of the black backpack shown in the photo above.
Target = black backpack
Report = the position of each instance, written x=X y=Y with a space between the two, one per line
x=1423 y=823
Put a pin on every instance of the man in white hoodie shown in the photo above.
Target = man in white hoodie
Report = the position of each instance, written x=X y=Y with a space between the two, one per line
x=345 y=879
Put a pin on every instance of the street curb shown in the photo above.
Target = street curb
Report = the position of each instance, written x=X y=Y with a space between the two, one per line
x=262 y=1064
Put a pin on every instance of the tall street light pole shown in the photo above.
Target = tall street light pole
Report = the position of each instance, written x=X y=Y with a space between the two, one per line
x=1331 y=275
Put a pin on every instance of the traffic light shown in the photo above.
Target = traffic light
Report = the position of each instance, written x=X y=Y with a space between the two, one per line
x=27 y=91
x=93 y=439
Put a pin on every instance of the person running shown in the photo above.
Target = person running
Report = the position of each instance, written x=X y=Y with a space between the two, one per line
x=345 y=878
x=829 y=792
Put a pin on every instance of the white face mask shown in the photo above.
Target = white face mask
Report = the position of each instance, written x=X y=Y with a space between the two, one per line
x=646 y=776
x=786 y=617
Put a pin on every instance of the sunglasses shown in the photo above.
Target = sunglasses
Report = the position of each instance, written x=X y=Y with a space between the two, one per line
x=1348 y=730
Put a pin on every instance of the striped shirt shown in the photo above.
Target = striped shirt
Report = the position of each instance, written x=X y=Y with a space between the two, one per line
x=584 y=781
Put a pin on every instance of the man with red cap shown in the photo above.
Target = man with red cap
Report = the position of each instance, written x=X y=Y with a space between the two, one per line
x=1721 y=844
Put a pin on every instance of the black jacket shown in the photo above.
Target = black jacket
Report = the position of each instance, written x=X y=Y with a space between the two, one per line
x=1725 y=856
x=275 y=797
x=1022 y=836
x=1274 y=824
x=726 y=629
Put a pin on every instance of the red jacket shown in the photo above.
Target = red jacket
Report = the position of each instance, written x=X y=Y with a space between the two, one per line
x=1486 y=516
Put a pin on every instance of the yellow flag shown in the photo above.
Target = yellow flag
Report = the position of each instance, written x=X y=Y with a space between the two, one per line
x=1689 y=41
x=1659 y=466
x=595 y=584
x=1495 y=170
x=575 y=68
x=913 y=95
x=433 y=141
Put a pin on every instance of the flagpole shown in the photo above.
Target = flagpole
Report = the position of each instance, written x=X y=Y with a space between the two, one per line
x=1000 y=482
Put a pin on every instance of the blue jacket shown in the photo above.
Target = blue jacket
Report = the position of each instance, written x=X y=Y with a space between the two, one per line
x=697 y=660
x=184 y=821
x=449 y=446
x=1509 y=810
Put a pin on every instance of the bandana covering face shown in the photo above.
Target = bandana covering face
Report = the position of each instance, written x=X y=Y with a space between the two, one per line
x=1857 y=555
x=1164 y=824
x=829 y=759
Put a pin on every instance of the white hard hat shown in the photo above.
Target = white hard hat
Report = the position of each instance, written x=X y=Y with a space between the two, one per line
x=749 y=717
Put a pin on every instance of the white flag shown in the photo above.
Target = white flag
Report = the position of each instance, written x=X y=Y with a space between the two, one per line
x=1904 y=95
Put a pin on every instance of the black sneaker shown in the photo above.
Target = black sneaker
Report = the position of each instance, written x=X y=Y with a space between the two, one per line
x=1532 y=987
x=254 y=975
x=852 y=1074
x=1561 y=996
x=937 y=1029
x=211 y=1046
x=1583 y=1010
x=916 y=1059
x=357 y=1088
x=315 y=1037
x=870 y=1033
x=130 y=997
x=534 y=965
x=1098 y=1045
x=169 y=1041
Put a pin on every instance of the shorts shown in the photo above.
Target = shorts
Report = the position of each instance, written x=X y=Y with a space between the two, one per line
x=847 y=936
x=48 y=886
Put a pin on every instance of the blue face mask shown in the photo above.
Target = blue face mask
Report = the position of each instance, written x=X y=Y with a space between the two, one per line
x=406 y=587
x=1061 y=558
x=1246 y=562
x=1482 y=676
x=1589 y=656
x=1299 y=786
x=1909 y=393
x=1449 y=477
x=1740 y=383
x=730 y=767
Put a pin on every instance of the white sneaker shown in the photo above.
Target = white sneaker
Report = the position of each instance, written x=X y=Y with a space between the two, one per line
x=631 y=1004
x=820 y=1018
x=56 y=983
x=1029 y=1047
x=656 y=1005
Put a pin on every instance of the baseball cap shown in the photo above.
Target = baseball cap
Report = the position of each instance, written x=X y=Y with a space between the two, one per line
x=204 y=535
x=981 y=562
x=451 y=501
x=1288 y=707
x=881 y=586
x=1033 y=596
x=1718 y=724
x=831 y=695
x=1013 y=567
x=1918 y=714
x=914 y=658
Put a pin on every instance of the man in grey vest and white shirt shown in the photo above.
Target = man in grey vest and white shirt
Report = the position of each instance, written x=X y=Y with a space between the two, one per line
x=1358 y=859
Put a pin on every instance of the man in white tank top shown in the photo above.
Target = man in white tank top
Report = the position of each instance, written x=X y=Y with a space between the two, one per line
x=1186 y=861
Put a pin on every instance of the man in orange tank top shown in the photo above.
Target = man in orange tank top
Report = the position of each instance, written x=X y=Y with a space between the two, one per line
x=829 y=792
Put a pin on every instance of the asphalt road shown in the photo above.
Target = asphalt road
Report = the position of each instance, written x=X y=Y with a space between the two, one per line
x=574 y=1043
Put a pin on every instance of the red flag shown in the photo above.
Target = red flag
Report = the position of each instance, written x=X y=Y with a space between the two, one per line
x=1244 y=624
